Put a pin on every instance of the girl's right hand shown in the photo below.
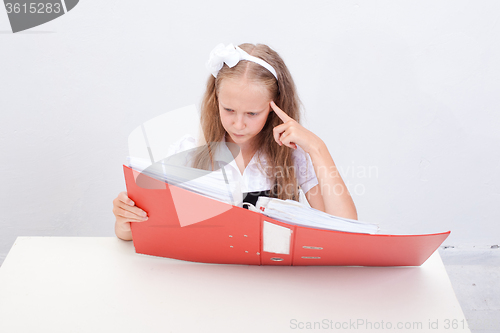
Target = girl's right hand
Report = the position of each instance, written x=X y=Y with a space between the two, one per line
x=125 y=212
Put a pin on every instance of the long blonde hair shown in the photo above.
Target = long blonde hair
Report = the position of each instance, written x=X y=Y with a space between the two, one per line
x=280 y=166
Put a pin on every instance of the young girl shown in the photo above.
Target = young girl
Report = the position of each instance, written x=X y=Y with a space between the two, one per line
x=251 y=102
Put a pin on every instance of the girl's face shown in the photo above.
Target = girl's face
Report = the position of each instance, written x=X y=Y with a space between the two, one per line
x=243 y=107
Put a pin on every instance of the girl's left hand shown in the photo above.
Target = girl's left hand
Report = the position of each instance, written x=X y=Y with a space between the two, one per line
x=291 y=133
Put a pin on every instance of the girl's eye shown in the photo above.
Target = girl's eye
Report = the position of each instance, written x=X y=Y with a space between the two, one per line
x=252 y=113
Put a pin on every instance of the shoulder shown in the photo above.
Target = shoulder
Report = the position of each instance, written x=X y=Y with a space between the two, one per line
x=186 y=142
x=181 y=152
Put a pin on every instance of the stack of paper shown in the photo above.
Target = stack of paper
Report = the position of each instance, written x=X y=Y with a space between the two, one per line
x=292 y=212
x=215 y=185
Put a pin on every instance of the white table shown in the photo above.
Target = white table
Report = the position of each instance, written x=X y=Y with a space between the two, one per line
x=84 y=284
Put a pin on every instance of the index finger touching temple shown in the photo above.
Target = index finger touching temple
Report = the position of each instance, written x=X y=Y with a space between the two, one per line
x=281 y=114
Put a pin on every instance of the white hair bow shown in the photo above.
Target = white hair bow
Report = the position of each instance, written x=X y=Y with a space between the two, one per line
x=222 y=54
x=231 y=55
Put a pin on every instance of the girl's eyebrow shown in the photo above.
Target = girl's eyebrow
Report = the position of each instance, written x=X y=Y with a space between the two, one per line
x=229 y=108
x=258 y=111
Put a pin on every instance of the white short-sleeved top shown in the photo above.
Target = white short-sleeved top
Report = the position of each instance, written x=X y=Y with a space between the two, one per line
x=253 y=178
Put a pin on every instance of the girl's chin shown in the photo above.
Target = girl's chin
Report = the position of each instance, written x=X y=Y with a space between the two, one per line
x=238 y=138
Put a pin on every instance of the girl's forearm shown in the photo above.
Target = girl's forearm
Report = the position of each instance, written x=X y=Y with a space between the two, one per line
x=336 y=196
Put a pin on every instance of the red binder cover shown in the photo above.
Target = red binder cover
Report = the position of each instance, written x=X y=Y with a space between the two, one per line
x=188 y=226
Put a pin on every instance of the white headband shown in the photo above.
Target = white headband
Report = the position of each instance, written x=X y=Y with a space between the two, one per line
x=231 y=55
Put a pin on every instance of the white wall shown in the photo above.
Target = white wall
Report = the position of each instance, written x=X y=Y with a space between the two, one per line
x=408 y=90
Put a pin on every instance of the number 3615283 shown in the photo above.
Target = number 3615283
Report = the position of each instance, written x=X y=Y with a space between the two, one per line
x=33 y=8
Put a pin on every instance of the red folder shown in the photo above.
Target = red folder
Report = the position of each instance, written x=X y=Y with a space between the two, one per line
x=188 y=226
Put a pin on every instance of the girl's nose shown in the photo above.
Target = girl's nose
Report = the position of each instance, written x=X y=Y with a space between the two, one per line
x=239 y=123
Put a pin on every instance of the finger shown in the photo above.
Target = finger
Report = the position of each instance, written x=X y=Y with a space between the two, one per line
x=126 y=216
x=281 y=114
x=133 y=211
x=131 y=215
x=122 y=214
x=122 y=219
x=290 y=144
x=277 y=131
x=123 y=197
x=126 y=203
x=286 y=138
x=281 y=128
